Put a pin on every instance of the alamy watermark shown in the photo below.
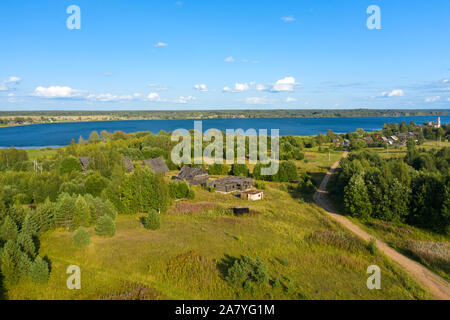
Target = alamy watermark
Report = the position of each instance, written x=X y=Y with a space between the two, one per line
x=74 y=20
x=374 y=281
x=374 y=20
x=213 y=152
x=74 y=280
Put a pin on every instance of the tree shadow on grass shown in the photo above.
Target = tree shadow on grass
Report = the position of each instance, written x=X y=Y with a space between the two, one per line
x=224 y=264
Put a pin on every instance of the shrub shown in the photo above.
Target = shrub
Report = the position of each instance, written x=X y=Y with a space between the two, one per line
x=27 y=244
x=69 y=165
x=105 y=226
x=81 y=214
x=8 y=230
x=95 y=184
x=8 y=262
x=240 y=170
x=152 y=221
x=260 y=185
x=81 y=238
x=372 y=246
x=218 y=169
x=39 y=271
x=246 y=270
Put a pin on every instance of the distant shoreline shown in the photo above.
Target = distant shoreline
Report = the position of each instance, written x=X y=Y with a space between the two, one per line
x=21 y=118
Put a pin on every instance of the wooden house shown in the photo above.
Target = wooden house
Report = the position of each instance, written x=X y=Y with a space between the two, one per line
x=128 y=164
x=231 y=184
x=84 y=161
x=194 y=176
x=158 y=165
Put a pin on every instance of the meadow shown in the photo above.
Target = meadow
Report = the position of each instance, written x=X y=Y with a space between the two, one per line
x=307 y=255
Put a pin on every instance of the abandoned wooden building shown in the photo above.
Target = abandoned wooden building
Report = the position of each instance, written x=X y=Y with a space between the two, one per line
x=253 y=195
x=231 y=184
x=158 y=165
x=84 y=161
x=194 y=176
x=128 y=164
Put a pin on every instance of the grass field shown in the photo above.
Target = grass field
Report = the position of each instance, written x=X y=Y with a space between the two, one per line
x=185 y=259
x=34 y=154
x=308 y=256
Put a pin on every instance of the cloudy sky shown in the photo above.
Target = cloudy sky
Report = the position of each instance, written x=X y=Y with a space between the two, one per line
x=208 y=54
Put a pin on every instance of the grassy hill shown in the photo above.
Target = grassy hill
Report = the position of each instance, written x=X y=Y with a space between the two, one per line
x=307 y=255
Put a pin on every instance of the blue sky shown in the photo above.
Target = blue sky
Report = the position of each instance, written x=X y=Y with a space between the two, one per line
x=197 y=54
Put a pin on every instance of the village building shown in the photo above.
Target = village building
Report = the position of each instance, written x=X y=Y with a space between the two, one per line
x=158 y=165
x=403 y=136
x=84 y=161
x=194 y=176
x=254 y=195
x=128 y=164
x=368 y=140
x=231 y=184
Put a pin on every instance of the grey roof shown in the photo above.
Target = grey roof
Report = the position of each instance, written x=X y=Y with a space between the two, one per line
x=158 y=165
x=232 y=179
x=128 y=164
x=84 y=163
x=195 y=175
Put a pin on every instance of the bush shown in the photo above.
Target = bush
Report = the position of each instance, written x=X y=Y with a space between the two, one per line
x=240 y=170
x=372 y=246
x=246 y=270
x=8 y=230
x=81 y=238
x=106 y=226
x=95 y=184
x=218 y=169
x=39 y=271
x=69 y=165
x=152 y=221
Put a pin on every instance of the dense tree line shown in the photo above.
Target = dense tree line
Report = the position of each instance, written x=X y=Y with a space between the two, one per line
x=415 y=189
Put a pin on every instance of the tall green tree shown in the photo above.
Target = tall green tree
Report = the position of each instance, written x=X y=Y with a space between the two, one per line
x=356 y=197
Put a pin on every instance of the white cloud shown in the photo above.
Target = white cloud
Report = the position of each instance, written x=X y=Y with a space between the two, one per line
x=161 y=45
x=9 y=84
x=445 y=81
x=154 y=97
x=432 y=99
x=184 y=100
x=56 y=92
x=229 y=59
x=285 y=84
x=291 y=99
x=256 y=100
x=261 y=87
x=288 y=19
x=238 y=87
x=108 y=97
x=393 y=93
x=13 y=80
x=201 y=87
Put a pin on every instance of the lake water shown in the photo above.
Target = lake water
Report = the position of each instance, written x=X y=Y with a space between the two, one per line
x=60 y=134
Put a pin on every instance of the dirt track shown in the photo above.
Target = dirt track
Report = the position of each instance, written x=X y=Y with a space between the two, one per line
x=435 y=284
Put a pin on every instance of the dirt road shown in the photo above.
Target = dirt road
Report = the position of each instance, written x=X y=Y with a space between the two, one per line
x=435 y=284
